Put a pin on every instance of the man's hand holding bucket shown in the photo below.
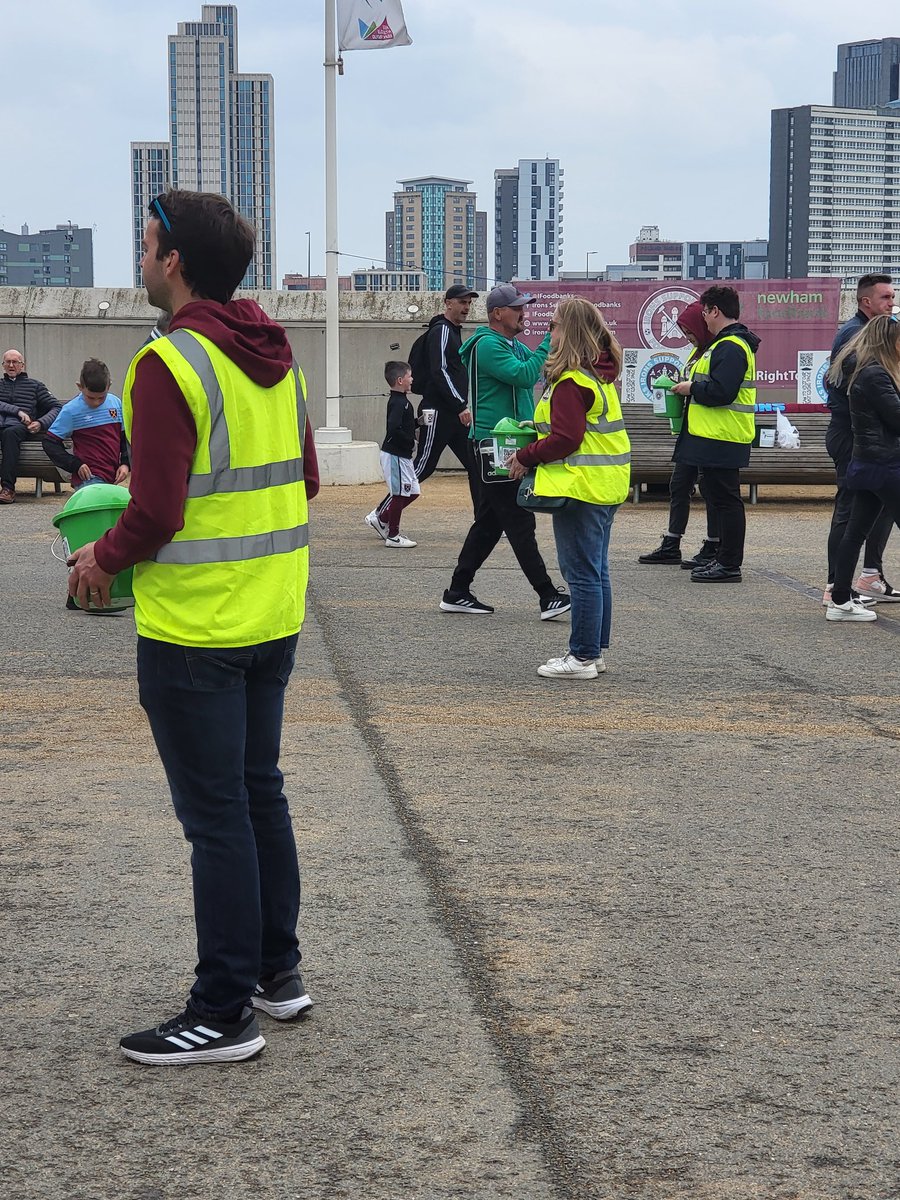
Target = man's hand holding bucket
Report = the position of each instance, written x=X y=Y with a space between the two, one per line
x=87 y=582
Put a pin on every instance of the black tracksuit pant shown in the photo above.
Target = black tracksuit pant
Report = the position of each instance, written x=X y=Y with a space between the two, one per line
x=497 y=512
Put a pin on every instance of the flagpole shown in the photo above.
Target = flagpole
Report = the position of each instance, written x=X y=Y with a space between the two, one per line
x=332 y=431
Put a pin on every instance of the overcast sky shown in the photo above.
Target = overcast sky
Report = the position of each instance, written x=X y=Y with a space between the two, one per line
x=659 y=113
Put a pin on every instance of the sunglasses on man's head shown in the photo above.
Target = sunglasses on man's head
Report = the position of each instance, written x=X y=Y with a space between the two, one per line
x=157 y=210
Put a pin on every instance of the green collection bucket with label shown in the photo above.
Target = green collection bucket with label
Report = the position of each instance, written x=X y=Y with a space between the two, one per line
x=87 y=515
x=667 y=403
x=510 y=436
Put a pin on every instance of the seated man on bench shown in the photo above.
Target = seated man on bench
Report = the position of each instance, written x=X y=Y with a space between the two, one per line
x=26 y=407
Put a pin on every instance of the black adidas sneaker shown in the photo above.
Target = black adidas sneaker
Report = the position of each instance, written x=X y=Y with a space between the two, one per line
x=283 y=996
x=189 y=1038
x=464 y=602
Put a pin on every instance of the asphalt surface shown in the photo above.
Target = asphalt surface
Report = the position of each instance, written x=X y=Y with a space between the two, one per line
x=628 y=938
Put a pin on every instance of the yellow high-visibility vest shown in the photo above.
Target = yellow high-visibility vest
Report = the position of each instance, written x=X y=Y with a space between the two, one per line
x=236 y=573
x=734 y=422
x=599 y=471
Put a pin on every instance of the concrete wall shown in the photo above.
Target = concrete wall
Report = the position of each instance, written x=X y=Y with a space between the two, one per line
x=57 y=328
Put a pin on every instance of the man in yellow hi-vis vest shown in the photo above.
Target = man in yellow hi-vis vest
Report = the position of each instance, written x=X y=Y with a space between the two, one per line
x=719 y=426
x=223 y=465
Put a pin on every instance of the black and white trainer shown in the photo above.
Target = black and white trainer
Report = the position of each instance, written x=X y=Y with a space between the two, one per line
x=283 y=996
x=190 y=1038
x=464 y=602
x=555 y=604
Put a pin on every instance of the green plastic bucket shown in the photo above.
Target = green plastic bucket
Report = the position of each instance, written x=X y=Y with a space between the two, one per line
x=509 y=436
x=87 y=515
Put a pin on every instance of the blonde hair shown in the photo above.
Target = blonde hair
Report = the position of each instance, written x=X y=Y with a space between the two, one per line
x=877 y=342
x=584 y=337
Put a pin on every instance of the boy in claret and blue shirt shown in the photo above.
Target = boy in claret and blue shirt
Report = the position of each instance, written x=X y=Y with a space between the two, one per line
x=397 y=453
x=93 y=420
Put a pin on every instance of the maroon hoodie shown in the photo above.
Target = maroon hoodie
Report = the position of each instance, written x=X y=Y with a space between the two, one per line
x=568 y=418
x=164 y=436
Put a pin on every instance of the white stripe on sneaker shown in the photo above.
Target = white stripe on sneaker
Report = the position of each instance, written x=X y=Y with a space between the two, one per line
x=199 y=1041
x=176 y=1041
x=210 y=1033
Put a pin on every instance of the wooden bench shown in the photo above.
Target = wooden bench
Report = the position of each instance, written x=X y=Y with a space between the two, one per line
x=34 y=464
x=652 y=444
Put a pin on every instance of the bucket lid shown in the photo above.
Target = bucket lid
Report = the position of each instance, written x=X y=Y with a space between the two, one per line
x=507 y=425
x=94 y=497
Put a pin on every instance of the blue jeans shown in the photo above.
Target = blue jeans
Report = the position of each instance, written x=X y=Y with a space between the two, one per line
x=582 y=534
x=216 y=717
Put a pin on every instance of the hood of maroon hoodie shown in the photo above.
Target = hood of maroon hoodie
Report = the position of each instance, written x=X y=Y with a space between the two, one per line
x=255 y=343
x=691 y=320
x=605 y=368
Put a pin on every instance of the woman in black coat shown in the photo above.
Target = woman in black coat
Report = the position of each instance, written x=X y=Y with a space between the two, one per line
x=872 y=363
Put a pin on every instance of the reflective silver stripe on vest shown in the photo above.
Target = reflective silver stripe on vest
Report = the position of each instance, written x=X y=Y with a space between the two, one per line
x=747 y=385
x=234 y=549
x=597 y=460
x=222 y=477
x=604 y=425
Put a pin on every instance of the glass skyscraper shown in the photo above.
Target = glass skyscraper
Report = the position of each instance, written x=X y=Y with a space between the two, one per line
x=221 y=135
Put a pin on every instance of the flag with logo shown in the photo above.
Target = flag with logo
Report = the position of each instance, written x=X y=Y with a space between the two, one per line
x=371 y=25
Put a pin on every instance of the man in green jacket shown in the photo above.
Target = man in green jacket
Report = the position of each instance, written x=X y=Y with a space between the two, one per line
x=502 y=374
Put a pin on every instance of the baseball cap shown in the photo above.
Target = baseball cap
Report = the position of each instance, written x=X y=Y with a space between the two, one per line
x=459 y=291
x=505 y=295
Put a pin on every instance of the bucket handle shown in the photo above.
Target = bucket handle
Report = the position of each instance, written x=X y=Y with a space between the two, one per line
x=57 y=539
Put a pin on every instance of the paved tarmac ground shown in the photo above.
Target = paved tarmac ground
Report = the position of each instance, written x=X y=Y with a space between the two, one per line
x=633 y=938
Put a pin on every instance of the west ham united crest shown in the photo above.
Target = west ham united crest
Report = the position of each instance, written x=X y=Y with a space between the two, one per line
x=658 y=320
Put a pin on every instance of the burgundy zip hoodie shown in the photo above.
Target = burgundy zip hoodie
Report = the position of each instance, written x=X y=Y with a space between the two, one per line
x=569 y=408
x=163 y=434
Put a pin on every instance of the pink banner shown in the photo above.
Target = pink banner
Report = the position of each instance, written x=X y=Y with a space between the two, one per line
x=789 y=315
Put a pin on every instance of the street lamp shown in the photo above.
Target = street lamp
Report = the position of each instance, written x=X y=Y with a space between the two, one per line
x=587 y=262
x=308 y=261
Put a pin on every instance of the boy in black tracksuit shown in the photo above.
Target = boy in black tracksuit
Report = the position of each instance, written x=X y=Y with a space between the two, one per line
x=396 y=457
x=443 y=413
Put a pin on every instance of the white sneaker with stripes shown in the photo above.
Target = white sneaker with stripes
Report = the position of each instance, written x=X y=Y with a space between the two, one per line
x=189 y=1038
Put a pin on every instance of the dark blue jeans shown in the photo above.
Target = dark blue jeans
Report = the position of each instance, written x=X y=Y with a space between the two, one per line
x=216 y=717
x=582 y=534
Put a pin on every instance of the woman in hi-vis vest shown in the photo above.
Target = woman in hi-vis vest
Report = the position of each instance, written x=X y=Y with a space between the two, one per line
x=583 y=455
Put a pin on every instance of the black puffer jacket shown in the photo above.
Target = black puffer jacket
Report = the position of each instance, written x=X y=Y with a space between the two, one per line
x=875 y=415
x=27 y=395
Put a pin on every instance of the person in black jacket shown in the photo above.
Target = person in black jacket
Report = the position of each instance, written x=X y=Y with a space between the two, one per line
x=874 y=297
x=396 y=453
x=26 y=407
x=870 y=365
x=723 y=379
x=444 y=417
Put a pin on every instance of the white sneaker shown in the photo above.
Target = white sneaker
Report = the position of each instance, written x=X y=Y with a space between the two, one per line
x=373 y=522
x=600 y=665
x=570 y=667
x=851 y=611
x=401 y=542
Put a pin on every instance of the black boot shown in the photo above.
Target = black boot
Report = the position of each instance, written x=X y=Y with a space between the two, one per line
x=704 y=556
x=668 y=551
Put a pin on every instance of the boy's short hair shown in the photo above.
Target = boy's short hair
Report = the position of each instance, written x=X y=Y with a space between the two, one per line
x=94 y=375
x=395 y=370
x=725 y=299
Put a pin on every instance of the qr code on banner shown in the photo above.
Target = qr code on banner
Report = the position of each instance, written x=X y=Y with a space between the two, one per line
x=629 y=376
